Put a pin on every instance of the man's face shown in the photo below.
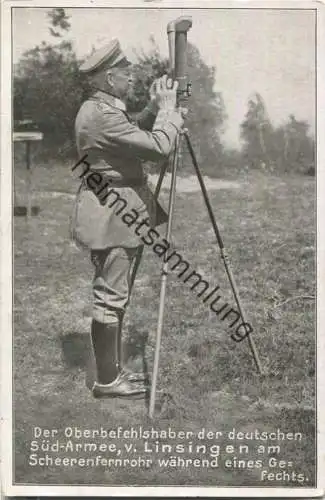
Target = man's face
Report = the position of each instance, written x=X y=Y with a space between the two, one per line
x=120 y=79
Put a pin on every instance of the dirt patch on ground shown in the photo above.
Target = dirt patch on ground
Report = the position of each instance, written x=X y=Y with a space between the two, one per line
x=190 y=184
x=183 y=184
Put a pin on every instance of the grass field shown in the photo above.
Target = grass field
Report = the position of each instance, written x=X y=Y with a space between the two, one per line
x=269 y=230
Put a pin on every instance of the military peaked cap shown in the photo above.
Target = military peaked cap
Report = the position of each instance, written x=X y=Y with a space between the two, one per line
x=107 y=57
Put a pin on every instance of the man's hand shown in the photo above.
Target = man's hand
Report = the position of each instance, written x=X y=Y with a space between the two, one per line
x=155 y=97
x=163 y=95
x=163 y=90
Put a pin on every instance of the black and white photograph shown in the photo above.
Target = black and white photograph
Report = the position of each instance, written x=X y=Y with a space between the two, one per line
x=159 y=259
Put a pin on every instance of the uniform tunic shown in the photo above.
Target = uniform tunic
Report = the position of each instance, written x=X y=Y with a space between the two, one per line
x=116 y=148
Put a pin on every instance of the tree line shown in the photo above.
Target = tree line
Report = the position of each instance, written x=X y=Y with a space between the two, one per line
x=48 y=89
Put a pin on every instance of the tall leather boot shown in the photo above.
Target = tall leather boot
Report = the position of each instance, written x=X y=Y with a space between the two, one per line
x=111 y=382
x=104 y=339
x=129 y=374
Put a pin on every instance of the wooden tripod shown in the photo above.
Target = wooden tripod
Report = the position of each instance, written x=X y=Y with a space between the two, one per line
x=176 y=160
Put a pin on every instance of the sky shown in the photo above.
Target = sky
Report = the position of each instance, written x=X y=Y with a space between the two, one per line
x=267 y=51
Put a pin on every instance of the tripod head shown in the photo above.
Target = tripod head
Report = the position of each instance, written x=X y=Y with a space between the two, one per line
x=177 y=43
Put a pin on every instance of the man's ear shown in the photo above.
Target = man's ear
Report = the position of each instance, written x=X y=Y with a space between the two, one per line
x=109 y=80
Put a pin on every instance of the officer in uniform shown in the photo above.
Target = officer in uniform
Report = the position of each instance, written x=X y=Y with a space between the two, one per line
x=112 y=148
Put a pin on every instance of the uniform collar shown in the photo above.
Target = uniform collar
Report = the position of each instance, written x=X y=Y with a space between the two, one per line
x=109 y=99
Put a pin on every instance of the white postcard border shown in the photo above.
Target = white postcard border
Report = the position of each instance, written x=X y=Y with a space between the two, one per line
x=7 y=263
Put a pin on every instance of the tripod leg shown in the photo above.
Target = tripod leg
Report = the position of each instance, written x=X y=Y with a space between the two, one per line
x=223 y=253
x=137 y=261
x=164 y=273
x=163 y=170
